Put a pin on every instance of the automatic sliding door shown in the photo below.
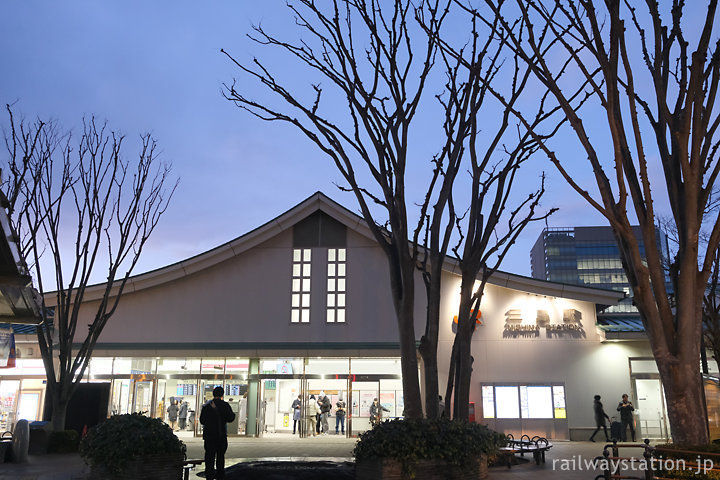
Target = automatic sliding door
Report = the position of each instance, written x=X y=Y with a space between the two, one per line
x=334 y=389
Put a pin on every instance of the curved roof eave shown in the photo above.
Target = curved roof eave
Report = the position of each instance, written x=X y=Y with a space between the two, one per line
x=544 y=287
x=320 y=201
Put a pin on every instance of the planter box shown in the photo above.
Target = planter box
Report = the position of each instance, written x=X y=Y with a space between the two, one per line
x=155 y=467
x=390 y=469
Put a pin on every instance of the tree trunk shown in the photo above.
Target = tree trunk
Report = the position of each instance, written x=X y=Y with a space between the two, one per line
x=463 y=354
x=683 y=393
x=429 y=344
x=463 y=372
x=59 y=412
x=402 y=282
x=408 y=361
x=430 y=366
x=449 y=411
x=463 y=375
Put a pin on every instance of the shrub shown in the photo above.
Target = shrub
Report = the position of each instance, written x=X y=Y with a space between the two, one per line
x=408 y=440
x=66 y=441
x=119 y=439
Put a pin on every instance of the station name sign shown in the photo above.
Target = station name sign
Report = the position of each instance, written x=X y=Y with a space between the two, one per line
x=571 y=324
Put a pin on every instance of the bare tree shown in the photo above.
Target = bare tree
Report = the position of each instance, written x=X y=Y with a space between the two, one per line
x=489 y=226
x=671 y=115
x=364 y=50
x=84 y=205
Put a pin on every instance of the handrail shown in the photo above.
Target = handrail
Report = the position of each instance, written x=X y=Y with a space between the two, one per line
x=614 y=462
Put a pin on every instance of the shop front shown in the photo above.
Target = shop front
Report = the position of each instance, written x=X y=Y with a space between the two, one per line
x=22 y=393
x=259 y=390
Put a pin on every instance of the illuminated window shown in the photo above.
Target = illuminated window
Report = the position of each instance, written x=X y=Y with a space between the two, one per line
x=336 y=285
x=523 y=401
x=300 y=302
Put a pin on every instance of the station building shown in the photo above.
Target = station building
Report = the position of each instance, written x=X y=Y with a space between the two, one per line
x=302 y=304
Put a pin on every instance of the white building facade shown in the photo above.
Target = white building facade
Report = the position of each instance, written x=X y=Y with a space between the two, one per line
x=302 y=305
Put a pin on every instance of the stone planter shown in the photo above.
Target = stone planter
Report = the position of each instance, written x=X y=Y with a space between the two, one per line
x=390 y=469
x=167 y=466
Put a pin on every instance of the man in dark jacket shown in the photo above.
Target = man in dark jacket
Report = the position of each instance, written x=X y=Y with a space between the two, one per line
x=214 y=417
x=626 y=417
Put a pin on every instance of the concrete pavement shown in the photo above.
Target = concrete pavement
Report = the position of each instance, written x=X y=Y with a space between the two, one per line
x=566 y=460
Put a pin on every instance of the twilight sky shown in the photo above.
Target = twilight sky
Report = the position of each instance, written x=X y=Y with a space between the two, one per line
x=156 y=67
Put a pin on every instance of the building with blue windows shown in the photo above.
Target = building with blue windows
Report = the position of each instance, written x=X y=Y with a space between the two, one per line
x=589 y=256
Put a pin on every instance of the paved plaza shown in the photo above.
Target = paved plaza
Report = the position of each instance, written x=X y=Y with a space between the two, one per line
x=283 y=448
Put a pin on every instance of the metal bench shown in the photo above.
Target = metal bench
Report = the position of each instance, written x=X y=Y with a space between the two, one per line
x=189 y=464
x=535 y=445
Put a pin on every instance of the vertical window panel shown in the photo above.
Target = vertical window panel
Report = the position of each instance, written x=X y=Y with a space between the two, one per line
x=300 y=299
x=336 y=285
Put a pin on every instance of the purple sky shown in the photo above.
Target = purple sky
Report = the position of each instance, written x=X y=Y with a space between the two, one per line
x=157 y=67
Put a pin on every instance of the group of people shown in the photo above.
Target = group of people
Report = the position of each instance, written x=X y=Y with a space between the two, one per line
x=319 y=409
x=317 y=413
x=625 y=407
x=178 y=414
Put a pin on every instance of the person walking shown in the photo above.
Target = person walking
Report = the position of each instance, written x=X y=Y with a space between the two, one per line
x=340 y=415
x=625 y=407
x=600 y=417
x=182 y=416
x=172 y=412
x=214 y=417
x=296 y=407
x=311 y=412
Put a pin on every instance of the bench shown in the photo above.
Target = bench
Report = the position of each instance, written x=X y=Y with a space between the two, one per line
x=189 y=464
x=535 y=445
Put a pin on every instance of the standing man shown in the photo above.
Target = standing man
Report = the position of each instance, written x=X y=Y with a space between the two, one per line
x=172 y=411
x=296 y=406
x=325 y=407
x=182 y=416
x=626 y=417
x=214 y=417
x=340 y=416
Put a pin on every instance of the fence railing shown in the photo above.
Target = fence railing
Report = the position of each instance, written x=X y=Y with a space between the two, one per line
x=652 y=463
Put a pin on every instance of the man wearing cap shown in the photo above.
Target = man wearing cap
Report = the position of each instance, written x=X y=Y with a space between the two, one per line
x=214 y=417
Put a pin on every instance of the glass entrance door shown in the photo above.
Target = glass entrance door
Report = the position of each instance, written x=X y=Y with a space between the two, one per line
x=275 y=412
x=142 y=398
x=650 y=409
x=361 y=398
x=334 y=390
x=120 y=403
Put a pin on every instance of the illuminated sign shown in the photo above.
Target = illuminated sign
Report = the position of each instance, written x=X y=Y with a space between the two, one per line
x=477 y=318
x=571 y=324
x=477 y=321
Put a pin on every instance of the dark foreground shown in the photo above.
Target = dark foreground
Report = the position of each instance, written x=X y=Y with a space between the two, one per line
x=275 y=470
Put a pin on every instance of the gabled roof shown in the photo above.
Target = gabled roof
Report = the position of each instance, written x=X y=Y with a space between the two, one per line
x=319 y=201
